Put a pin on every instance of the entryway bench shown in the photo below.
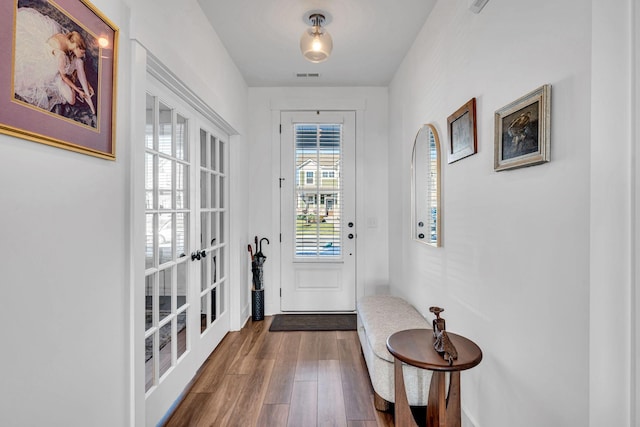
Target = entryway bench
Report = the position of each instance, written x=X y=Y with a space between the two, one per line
x=380 y=316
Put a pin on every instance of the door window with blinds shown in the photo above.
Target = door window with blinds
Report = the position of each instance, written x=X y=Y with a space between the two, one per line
x=318 y=192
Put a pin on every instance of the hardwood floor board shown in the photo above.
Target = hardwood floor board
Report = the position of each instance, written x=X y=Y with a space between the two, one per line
x=356 y=384
x=273 y=416
x=331 y=410
x=384 y=419
x=249 y=403
x=187 y=413
x=353 y=353
x=351 y=340
x=270 y=346
x=208 y=408
x=362 y=424
x=327 y=345
x=298 y=379
x=267 y=345
x=284 y=370
x=341 y=335
x=244 y=359
x=303 y=411
x=217 y=365
x=264 y=348
x=290 y=346
x=220 y=404
x=306 y=370
x=280 y=385
x=307 y=365
x=244 y=346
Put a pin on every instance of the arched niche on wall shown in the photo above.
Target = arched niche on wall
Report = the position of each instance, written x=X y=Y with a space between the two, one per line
x=425 y=191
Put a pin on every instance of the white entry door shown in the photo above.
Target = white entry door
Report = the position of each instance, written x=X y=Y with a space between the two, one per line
x=318 y=270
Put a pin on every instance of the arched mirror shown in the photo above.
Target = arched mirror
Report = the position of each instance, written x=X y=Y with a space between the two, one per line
x=425 y=194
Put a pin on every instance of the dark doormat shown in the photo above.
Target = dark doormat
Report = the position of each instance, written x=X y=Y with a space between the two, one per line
x=313 y=322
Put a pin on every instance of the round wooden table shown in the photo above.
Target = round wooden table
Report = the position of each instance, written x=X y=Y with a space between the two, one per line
x=415 y=347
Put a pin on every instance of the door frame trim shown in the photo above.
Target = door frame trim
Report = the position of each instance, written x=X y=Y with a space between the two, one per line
x=143 y=65
x=344 y=296
x=165 y=76
x=278 y=106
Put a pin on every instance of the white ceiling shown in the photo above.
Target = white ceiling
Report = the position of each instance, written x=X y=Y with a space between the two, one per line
x=370 y=38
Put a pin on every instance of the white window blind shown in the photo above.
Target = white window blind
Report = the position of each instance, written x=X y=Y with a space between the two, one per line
x=318 y=151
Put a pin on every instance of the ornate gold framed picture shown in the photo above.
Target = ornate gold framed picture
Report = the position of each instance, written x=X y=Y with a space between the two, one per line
x=58 y=74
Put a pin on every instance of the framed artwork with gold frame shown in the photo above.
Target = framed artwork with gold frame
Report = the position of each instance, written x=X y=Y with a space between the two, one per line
x=58 y=65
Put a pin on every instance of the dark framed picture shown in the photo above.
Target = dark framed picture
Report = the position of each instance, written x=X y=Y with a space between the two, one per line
x=523 y=131
x=58 y=63
x=463 y=139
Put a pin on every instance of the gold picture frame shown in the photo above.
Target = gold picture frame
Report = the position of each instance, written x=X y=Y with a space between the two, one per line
x=58 y=67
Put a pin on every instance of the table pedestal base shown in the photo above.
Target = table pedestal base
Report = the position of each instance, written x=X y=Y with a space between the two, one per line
x=443 y=408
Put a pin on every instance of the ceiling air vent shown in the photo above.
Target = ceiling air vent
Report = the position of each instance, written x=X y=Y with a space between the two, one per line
x=307 y=75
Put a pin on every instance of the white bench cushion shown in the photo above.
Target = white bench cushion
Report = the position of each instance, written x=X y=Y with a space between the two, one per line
x=384 y=315
x=379 y=317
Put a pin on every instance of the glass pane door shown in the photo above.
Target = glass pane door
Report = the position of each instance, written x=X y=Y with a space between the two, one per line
x=213 y=212
x=186 y=263
x=167 y=244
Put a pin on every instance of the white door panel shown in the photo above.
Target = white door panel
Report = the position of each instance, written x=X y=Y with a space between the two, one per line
x=318 y=211
x=186 y=278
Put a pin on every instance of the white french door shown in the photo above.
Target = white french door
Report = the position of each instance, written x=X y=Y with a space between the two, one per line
x=186 y=279
x=318 y=259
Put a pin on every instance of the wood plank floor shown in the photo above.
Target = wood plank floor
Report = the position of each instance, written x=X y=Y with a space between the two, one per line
x=288 y=379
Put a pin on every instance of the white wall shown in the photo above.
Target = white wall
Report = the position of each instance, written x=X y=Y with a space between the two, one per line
x=372 y=189
x=614 y=220
x=513 y=272
x=183 y=40
x=63 y=257
x=65 y=245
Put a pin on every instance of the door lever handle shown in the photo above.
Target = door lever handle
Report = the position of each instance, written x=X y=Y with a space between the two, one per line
x=198 y=255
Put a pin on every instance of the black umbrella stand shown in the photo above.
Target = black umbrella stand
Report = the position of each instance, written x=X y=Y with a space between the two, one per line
x=257 y=304
x=257 y=291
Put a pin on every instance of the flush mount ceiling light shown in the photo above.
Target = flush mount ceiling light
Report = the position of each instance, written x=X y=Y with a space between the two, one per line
x=316 y=43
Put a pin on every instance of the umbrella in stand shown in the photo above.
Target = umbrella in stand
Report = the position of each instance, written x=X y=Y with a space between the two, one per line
x=256 y=268
x=259 y=252
x=257 y=293
x=257 y=261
